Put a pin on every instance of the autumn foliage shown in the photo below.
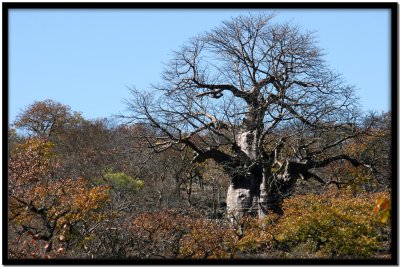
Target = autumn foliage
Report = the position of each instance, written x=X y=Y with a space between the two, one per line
x=336 y=224
x=43 y=210
x=332 y=225
x=94 y=190
x=47 y=118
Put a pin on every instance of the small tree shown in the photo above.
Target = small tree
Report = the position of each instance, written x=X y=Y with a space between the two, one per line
x=259 y=99
x=46 y=118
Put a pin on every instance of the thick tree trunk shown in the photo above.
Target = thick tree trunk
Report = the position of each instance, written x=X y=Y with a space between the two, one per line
x=244 y=191
x=242 y=198
x=257 y=190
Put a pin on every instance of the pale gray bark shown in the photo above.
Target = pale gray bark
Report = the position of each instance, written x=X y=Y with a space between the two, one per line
x=243 y=196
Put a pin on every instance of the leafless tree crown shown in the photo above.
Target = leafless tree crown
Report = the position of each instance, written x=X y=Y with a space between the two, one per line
x=251 y=75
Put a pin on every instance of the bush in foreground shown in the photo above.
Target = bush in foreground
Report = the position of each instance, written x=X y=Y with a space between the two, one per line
x=332 y=225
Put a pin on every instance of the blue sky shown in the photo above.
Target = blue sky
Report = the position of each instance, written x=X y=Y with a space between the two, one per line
x=88 y=58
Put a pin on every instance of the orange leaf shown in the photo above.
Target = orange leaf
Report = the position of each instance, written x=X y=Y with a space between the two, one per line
x=385 y=205
x=379 y=201
x=376 y=209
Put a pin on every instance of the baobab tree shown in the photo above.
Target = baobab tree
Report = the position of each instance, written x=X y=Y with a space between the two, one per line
x=258 y=98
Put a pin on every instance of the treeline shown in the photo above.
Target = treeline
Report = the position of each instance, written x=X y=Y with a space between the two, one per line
x=81 y=188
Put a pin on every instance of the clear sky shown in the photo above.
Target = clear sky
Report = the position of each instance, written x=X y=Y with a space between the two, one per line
x=88 y=58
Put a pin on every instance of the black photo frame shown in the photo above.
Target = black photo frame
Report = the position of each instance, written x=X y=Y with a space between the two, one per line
x=391 y=6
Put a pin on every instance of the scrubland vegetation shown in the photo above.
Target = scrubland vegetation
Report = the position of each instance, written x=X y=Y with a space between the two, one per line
x=92 y=189
x=250 y=147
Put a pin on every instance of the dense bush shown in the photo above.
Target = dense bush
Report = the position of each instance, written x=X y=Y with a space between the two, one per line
x=96 y=190
x=335 y=224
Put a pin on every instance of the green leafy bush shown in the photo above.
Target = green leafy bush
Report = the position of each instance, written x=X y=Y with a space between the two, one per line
x=120 y=180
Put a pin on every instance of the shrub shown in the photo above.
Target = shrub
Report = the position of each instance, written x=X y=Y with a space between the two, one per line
x=120 y=180
x=335 y=224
